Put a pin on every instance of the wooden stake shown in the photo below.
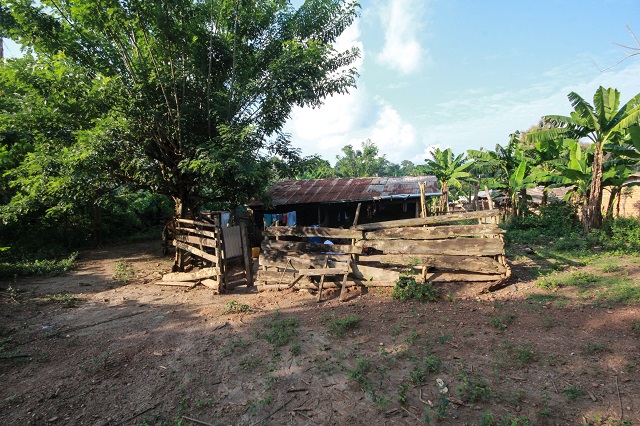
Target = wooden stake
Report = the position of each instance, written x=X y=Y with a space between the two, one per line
x=326 y=261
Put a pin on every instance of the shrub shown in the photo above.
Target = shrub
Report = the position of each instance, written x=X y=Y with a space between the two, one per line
x=407 y=288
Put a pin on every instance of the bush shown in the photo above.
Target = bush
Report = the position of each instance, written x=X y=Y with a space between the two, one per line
x=407 y=288
x=557 y=219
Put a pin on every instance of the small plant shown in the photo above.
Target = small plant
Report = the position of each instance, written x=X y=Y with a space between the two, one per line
x=572 y=392
x=636 y=325
x=413 y=336
x=503 y=321
x=295 y=349
x=593 y=348
x=234 y=307
x=407 y=288
x=445 y=338
x=280 y=331
x=522 y=354
x=249 y=363
x=359 y=373
x=100 y=362
x=123 y=272
x=65 y=298
x=232 y=345
x=339 y=326
x=402 y=394
x=610 y=268
x=473 y=388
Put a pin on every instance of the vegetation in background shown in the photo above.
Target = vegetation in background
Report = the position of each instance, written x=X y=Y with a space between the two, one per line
x=407 y=288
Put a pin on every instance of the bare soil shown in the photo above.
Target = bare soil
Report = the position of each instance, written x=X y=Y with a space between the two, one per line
x=83 y=349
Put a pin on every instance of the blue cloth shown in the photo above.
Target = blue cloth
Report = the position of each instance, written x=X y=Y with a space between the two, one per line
x=291 y=219
x=268 y=218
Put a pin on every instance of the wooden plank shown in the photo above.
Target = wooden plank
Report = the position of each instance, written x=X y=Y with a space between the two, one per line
x=426 y=220
x=434 y=232
x=370 y=273
x=279 y=258
x=316 y=272
x=210 y=234
x=195 y=251
x=190 y=284
x=196 y=223
x=300 y=231
x=450 y=277
x=191 y=276
x=191 y=239
x=247 y=259
x=454 y=246
x=212 y=284
x=483 y=265
x=308 y=247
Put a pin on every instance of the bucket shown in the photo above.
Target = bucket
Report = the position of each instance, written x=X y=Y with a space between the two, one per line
x=255 y=252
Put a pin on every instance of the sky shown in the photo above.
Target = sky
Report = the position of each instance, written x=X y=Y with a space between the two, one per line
x=465 y=74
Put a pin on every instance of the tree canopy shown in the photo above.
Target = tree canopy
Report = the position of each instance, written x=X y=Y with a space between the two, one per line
x=198 y=92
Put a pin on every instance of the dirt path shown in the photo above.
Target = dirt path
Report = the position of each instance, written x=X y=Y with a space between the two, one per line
x=82 y=349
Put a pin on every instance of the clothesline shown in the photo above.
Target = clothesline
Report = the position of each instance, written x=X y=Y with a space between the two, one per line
x=284 y=219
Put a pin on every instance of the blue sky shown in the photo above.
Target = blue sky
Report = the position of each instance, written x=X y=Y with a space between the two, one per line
x=466 y=74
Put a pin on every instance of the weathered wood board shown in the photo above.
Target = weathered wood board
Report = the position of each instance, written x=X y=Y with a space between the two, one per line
x=308 y=247
x=479 y=264
x=201 y=232
x=370 y=273
x=454 y=246
x=191 y=276
x=192 y=239
x=300 y=231
x=420 y=221
x=433 y=233
x=298 y=260
x=195 y=251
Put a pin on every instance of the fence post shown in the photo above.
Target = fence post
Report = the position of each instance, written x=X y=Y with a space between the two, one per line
x=246 y=252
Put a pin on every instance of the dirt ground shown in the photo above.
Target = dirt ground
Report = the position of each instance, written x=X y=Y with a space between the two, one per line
x=84 y=349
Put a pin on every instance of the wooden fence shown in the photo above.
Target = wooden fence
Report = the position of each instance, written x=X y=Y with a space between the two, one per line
x=376 y=254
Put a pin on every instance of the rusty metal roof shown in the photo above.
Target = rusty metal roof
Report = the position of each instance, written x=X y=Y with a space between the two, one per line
x=340 y=190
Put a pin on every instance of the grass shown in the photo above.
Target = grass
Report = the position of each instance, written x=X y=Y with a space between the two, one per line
x=593 y=348
x=501 y=322
x=21 y=268
x=572 y=392
x=407 y=288
x=123 y=272
x=474 y=388
x=64 y=298
x=234 y=307
x=339 y=326
x=523 y=353
x=280 y=330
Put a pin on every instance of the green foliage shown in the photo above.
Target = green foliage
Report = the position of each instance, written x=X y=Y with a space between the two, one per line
x=474 y=388
x=621 y=235
x=123 y=272
x=501 y=322
x=234 y=307
x=362 y=163
x=232 y=344
x=572 y=392
x=557 y=220
x=339 y=326
x=14 y=268
x=407 y=288
x=418 y=374
x=488 y=419
x=280 y=330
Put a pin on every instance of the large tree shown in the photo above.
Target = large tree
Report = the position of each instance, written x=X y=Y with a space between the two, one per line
x=201 y=90
x=604 y=124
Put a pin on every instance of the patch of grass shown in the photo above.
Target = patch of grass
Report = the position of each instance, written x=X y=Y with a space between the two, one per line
x=402 y=393
x=64 y=298
x=407 y=288
x=360 y=371
x=249 y=363
x=99 y=362
x=501 y=322
x=20 y=268
x=636 y=325
x=233 y=307
x=430 y=364
x=444 y=338
x=488 y=419
x=611 y=268
x=295 y=349
x=122 y=272
x=412 y=337
x=622 y=291
x=233 y=344
x=280 y=330
x=572 y=392
x=558 y=300
x=593 y=348
x=521 y=353
x=474 y=388
x=339 y=326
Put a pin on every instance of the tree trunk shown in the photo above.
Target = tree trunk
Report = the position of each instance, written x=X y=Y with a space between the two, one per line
x=181 y=211
x=96 y=216
x=475 y=196
x=615 y=193
x=593 y=213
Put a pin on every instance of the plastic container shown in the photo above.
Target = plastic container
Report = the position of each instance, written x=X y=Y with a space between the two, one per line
x=255 y=252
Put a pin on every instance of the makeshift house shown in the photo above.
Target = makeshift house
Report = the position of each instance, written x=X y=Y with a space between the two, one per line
x=339 y=233
x=333 y=203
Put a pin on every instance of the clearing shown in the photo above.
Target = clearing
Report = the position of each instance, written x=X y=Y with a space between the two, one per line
x=104 y=345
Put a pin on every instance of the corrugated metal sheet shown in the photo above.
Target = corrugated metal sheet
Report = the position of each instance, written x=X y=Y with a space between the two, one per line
x=348 y=189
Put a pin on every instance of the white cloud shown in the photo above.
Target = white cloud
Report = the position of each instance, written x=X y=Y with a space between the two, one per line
x=402 y=50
